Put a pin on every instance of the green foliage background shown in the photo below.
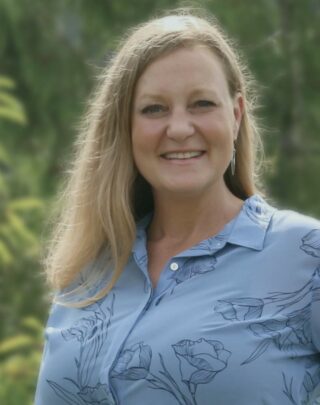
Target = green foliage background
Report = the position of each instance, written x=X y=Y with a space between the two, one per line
x=50 y=52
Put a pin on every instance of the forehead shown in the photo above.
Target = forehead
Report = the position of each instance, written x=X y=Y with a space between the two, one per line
x=197 y=65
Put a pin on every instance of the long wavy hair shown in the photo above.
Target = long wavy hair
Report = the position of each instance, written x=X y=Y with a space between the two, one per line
x=104 y=195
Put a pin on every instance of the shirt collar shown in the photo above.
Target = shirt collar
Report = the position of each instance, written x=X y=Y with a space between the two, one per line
x=248 y=229
x=251 y=224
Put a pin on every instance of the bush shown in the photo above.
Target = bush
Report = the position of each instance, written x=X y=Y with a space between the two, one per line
x=20 y=357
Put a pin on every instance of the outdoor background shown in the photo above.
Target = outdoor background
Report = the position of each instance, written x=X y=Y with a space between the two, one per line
x=50 y=52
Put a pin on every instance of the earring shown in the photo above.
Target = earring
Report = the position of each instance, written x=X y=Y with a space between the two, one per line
x=233 y=160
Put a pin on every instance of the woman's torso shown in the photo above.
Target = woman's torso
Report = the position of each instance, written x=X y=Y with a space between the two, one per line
x=231 y=320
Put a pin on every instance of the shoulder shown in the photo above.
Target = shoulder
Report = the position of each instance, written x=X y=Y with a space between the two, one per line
x=294 y=228
x=279 y=221
x=287 y=220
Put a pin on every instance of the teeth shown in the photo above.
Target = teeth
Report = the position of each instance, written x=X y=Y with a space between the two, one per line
x=182 y=155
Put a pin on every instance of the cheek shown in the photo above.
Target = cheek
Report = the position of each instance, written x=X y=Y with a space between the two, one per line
x=145 y=135
x=145 y=127
x=217 y=129
x=137 y=137
x=141 y=146
x=137 y=150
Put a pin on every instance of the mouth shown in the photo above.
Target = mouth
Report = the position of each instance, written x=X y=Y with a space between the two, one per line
x=182 y=155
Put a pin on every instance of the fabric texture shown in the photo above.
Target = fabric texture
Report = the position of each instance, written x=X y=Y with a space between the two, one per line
x=233 y=320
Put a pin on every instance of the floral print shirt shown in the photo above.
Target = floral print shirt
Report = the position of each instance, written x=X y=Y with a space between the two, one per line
x=232 y=320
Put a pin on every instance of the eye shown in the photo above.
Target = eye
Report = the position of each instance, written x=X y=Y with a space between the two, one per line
x=203 y=104
x=153 y=109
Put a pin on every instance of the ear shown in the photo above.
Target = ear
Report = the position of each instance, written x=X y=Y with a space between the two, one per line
x=238 y=107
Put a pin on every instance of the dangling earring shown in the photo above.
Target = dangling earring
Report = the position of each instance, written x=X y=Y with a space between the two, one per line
x=233 y=160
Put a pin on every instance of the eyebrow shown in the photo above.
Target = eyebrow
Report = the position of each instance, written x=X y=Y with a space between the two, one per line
x=150 y=95
x=201 y=90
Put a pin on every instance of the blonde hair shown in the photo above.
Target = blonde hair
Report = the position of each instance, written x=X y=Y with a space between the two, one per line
x=104 y=195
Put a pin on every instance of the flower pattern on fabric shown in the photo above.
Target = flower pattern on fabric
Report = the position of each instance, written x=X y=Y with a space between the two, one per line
x=199 y=362
x=286 y=332
x=310 y=386
x=294 y=329
x=97 y=395
x=240 y=308
x=311 y=243
x=134 y=363
x=190 y=268
x=311 y=381
x=90 y=333
x=290 y=329
x=193 y=268
x=94 y=395
x=288 y=389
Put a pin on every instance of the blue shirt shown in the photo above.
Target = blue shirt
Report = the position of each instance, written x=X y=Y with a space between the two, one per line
x=233 y=320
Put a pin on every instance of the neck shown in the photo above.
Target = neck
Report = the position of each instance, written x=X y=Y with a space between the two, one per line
x=180 y=219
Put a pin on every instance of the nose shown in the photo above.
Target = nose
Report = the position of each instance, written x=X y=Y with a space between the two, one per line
x=180 y=126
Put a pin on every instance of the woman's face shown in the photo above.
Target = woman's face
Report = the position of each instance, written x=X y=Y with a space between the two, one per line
x=184 y=123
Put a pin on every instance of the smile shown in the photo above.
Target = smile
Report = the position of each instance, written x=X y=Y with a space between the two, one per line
x=182 y=155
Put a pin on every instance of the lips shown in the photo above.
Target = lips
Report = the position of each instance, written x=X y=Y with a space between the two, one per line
x=182 y=155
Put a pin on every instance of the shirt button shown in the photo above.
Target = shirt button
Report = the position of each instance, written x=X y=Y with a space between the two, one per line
x=174 y=266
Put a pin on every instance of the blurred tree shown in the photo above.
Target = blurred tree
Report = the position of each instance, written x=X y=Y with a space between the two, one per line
x=10 y=108
x=20 y=360
x=19 y=215
x=295 y=180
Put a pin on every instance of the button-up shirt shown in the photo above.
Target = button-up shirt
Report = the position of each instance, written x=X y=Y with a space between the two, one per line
x=234 y=319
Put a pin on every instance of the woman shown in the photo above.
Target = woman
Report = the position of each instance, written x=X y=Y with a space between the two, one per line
x=176 y=282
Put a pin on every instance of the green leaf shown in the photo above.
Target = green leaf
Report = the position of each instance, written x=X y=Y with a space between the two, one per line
x=21 y=231
x=6 y=258
x=7 y=83
x=26 y=204
x=16 y=343
x=13 y=115
x=10 y=107
x=33 y=325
